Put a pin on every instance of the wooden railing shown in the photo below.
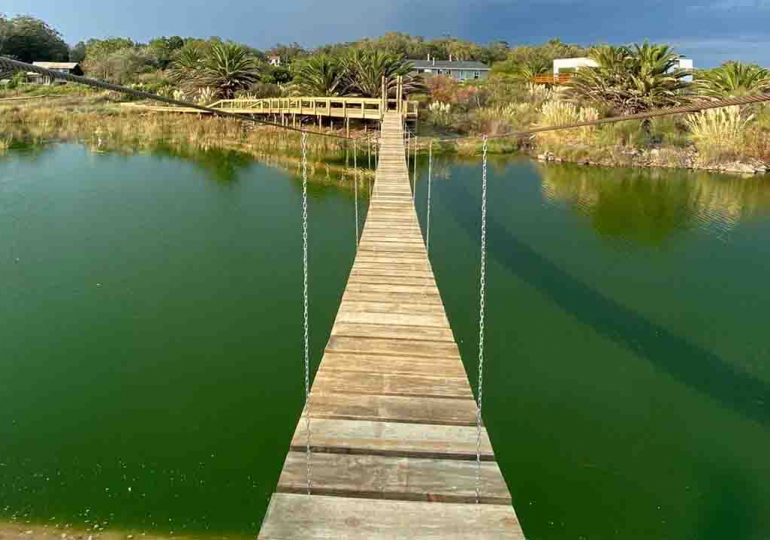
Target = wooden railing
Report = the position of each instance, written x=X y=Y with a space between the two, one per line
x=334 y=107
x=560 y=79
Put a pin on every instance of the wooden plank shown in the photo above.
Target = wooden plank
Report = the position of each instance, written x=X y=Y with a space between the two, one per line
x=400 y=364
x=392 y=331
x=427 y=322
x=395 y=266
x=292 y=516
x=375 y=279
x=403 y=478
x=392 y=439
x=413 y=410
x=386 y=384
x=414 y=347
x=416 y=290
x=426 y=299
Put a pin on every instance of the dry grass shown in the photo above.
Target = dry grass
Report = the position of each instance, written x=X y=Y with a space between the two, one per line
x=559 y=113
x=104 y=125
x=719 y=134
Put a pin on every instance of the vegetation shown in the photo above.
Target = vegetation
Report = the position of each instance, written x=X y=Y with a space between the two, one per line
x=719 y=133
x=29 y=39
x=734 y=79
x=225 y=67
x=319 y=75
x=629 y=79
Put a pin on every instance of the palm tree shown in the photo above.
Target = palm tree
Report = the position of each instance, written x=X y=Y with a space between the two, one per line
x=186 y=64
x=734 y=79
x=531 y=68
x=364 y=69
x=227 y=68
x=633 y=79
x=320 y=75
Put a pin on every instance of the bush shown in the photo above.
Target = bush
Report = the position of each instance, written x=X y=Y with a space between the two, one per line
x=498 y=120
x=719 y=133
x=560 y=113
x=440 y=114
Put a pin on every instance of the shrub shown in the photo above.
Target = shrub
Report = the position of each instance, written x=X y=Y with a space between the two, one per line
x=560 y=113
x=719 y=133
x=440 y=114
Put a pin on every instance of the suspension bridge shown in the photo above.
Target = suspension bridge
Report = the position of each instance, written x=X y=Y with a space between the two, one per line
x=390 y=442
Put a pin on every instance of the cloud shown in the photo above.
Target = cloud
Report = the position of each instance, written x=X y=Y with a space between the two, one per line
x=709 y=52
x=731 y=5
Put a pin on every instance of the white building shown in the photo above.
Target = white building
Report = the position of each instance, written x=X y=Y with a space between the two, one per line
x=569 y=65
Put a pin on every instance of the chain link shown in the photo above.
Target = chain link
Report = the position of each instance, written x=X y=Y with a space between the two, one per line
x=482 y=313
x=430 y=180
x=355 y=183
x=305 y=303
x=414 y=173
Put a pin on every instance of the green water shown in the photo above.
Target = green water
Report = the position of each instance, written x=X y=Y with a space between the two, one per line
x=150 y=339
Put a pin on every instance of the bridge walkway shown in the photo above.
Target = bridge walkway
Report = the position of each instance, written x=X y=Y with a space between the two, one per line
x=393 y=418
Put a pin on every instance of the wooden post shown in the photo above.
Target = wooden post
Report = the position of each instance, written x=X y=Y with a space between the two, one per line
x=384 y=96
x=347 y=126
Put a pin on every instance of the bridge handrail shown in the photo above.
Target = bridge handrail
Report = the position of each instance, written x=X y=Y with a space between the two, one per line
x=314 y=103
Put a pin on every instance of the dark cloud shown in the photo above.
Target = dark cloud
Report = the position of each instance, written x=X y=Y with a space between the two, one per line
x=709 y=30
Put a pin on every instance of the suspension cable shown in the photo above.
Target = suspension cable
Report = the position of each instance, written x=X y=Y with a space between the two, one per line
x=305 y=303
x=482 y=313
x=355 y=184
x=430 y=177
x=15 y=65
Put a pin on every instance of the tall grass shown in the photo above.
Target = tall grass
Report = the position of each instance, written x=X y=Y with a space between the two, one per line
x=103 y=125
x=560 y=113
x=719 y=134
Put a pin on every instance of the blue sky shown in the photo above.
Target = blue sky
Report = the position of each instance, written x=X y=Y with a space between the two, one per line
x=710 y=31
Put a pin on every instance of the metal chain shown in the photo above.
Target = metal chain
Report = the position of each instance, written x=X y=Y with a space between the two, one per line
x=355 y=183
x=305 y=303
x=414 y=173
x=430 y=177
x=482 y=312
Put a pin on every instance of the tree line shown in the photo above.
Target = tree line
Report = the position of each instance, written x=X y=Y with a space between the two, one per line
x=629 y=78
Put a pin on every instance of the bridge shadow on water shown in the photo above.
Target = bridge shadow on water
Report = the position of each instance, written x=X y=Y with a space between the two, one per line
x=696 y=367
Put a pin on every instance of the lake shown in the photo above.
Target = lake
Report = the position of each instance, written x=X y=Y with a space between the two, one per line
x=151 y=330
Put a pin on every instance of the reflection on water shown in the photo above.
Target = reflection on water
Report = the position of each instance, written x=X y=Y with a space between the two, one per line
x=649 y=206
x=148 y=337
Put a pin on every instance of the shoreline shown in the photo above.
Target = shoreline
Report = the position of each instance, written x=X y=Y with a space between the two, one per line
x=72 y=119
x=658 y=158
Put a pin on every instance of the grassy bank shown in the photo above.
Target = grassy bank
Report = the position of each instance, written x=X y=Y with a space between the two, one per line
x=102 y=123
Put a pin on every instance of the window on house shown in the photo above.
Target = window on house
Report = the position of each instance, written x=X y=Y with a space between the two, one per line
x=476 y=74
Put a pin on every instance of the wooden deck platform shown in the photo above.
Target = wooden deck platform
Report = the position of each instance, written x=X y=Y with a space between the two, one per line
x=393 y=418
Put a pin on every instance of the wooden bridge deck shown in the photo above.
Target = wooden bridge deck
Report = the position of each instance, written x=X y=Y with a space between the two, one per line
x=393 y=433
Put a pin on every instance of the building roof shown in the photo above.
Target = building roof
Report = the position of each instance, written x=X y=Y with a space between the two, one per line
x=446 y=64
x=56 y=65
